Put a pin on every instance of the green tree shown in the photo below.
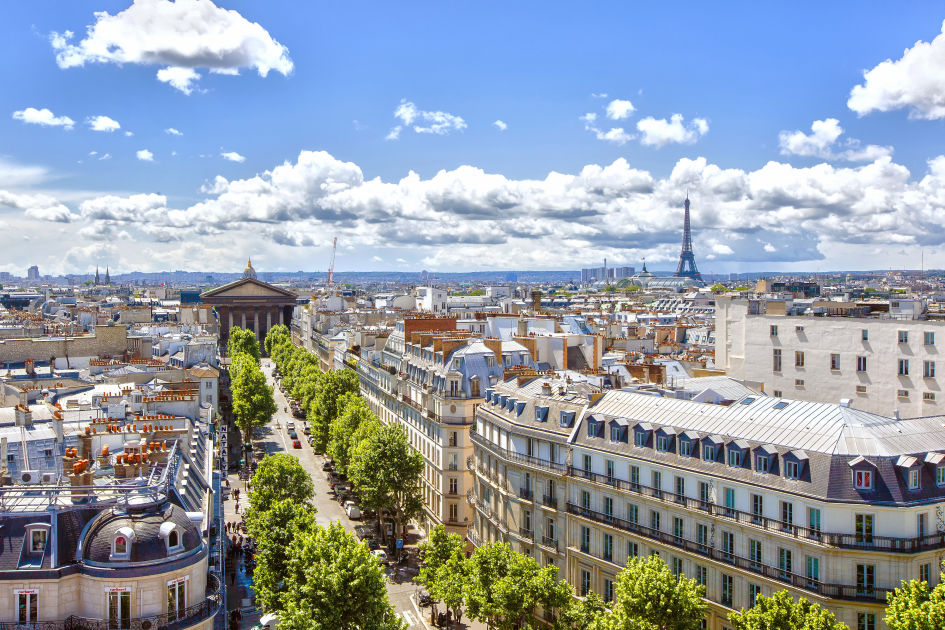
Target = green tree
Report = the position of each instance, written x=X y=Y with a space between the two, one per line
x=584 y=613
x=916 y=606
x=331 y=386
x=242 y=340
x=276 y=531
x=718 y=288
x=781 y=612
x=253 y=402
x=353 y=411
x=386 y=473
x=647 y=591
x=277 y=335
x=334 y=583
x=504 y=588
x=278 y=477
x=444 y=570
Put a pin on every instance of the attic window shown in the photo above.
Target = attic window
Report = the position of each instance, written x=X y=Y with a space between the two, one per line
x=121 y=543
x=519 y=408
x=38 y=536
x=541 y=414
x=748 y=401
x=863 y=479
x=567 y=418
x=780 y=405
x=172 y=536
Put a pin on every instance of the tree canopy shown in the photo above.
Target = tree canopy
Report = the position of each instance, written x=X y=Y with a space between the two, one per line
x=781 y=612
x=331 y=386
x=916 y=606
x=278 y=477
x=343 y=432
x=275 y=531
x=242 y=340
x=648 y=592
x=253 y=402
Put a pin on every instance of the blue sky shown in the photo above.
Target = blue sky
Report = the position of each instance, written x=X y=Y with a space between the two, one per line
x=609 y=113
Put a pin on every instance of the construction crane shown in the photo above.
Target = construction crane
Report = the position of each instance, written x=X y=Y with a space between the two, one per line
x=331 y=266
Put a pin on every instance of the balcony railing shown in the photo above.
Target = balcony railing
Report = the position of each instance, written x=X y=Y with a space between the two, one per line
x=525 y=493
x=835 y=591
x=550 y=501
x=550 y=542
x=843 y=541
x=207 y=608
x=526 y=533
x=516 y=457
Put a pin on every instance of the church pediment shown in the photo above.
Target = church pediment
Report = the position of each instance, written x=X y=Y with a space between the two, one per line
x=248 y=287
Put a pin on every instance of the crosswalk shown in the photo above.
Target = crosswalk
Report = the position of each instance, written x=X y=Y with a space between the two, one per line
x=411 y=622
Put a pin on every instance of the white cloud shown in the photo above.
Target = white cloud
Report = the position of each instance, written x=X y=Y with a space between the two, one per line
x=598 y=94
x=916 y=82
x=394 y=133
x=128 y=134
x=36 y=206
x=439 y=123
x=183 y=35
x=618 y=109
x=44 y=117
x=500 y=125
x=658 y=132
x=233 y=156
x=173 y=132
x=617 y=135
x=103 y=123
x=821 y=143
x=145 y=156
x=106 y=156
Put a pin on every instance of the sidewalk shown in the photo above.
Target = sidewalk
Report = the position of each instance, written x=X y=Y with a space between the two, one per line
x=238 y=583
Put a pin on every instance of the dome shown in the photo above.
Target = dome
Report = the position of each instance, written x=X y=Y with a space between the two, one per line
x=144 y=534
x=249 y=272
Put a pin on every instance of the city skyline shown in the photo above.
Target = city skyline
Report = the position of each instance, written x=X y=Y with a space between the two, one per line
x=552 y=151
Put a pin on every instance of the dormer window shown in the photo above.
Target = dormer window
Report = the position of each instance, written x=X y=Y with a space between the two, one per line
x=863 y=479
x=38 y=536
x=685 y=448
x=618 y=432
x=567 y=420
x=734 y=457
x=762 y=463
x=708 y=452
x=790 y=469
x=121 y=543
x=662 y=443
x=640 y=438
x=914 y=479
x=172 y=537
x=940 y=476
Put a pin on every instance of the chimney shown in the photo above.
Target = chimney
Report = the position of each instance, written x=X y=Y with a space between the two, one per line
x=846 y=402
x=896 y=414
x=24 y=417
x=546 y=388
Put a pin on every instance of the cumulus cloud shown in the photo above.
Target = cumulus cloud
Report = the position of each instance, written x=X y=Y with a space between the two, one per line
x=617 y=135
x=658 y=132
x=43 y=117
x=103 y=123
x=182 y=36
x=36 y=206
x=232 y=156
x=502 y=126
x=822 y=143
x=173 y=132
x=618 y=109
x=915 y=81
x=421 y=121
x=144 y=155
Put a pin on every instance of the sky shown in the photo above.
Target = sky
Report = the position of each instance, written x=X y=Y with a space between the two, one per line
x=191 y=135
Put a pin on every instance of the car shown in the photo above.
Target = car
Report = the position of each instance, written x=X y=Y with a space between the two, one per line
x=424 y=599
x=293 y=435
x=381 y=555
x=353 y=511
x=306 y=430
x=296 y=444
x=328 y=465
x=290 y=426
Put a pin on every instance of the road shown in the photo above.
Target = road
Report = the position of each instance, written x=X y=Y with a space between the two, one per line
x=401 y=589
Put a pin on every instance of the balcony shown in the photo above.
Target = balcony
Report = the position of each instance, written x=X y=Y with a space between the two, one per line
x=549 y=501
x=188 y=617
x=518 y=458
x=842 y=541
x=526 y=533
x=525 y=493
x=835 y=591
x=550 y=542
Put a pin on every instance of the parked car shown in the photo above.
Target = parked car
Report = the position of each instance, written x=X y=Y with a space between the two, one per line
x=290 y=426
x=352 y=510
x=328 y=465
x=424 y=599
x=381 y=555
x=306 y=430
x=296 y=444
x=293 y=435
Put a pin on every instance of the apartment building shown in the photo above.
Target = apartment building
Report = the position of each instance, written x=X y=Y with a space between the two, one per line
x=885 y=364
x=828 y=502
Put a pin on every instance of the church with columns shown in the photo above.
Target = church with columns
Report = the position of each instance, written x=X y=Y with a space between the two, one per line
x=251 y=304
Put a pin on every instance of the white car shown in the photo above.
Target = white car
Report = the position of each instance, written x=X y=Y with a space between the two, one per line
x=290 y=426
x=353 y=511
x=381 y=555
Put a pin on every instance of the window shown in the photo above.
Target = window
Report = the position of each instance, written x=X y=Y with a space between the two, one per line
x=861 y=389
x=615 y=431
x=757 y=508
x=633 y=513
x=734 y=457
x=785 y=563
x=929 y=338
x=38 y=540
x=903 y=367
x=865 y=621
x=813 y=571
x=798 y=358
x=787 y=513
x=753 y=592
x=799 y=330
x=585 y=582
x=654 y=520
x=778 y=393
x=773 y=331
x=635 y=478
x=176 y=599
x=701 y=574
x=776 y=360
x=864 y=528
x=940 y=476
x=676 y=566
x=928 y=396
x=609 y=468
x=585 y=499
x=585 y=539
x=928 y=369
x=702 y=537
x=865 y=579
x=914 y=479
x=608 y=590
x=173 y=539
x=680 y=483
x=119 y=609
x=903 y=393
x=657 y=483
x=708 y=452
x=678 y=531
x=640 y=438
x=864 y=335
x=727 y=590
x=662 y=443
x=705 y=493
x=925 y=572
x=27 y=605
x=861 y=364
x=608 y=548
x=761 y=463
x=728 y=546
x=754 y=553
x=729 y=498
x=633 y=550
x=587 y=463
x=863 y=479
x=798 y=382
x=685 y=448
x=813 y=520
x=791 y=469
x=608 y=506
x=903 y=336
x=454 y=485
x=834 y=361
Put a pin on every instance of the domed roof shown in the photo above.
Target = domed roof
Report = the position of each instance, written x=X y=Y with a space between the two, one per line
x=249 y=272
x=147 y=529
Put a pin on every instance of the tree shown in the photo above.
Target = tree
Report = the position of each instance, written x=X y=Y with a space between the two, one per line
x=444 y=569
x=386 y=473
x=277 y=335
x=334 y=583
x=504 y=588
x=647 y=591
x=279 y=476
x=242 y=340
x=353 y=411
x=450 y=583
x=781 y=612
x=916 y=606
x=584 y=613
x=331 y=386
x=253 y=402
x=276 y=531
x=718 y=288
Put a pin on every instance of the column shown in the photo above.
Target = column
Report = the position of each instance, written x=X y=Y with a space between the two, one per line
x=243 y=318
x=268 y=319
x=229 y=313
x=256 y=324
x=281 y=316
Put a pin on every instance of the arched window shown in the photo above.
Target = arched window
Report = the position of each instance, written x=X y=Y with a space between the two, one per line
x=171 y=534
x=172 y=539
x=121 y=545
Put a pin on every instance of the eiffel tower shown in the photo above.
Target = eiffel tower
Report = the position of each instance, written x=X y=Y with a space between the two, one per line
x=687 y=261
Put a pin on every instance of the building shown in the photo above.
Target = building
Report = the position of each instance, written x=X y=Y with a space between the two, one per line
x=431 y=300
x=749 y=497
x=32 y=274
x=881 y=364
x=250 y=304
